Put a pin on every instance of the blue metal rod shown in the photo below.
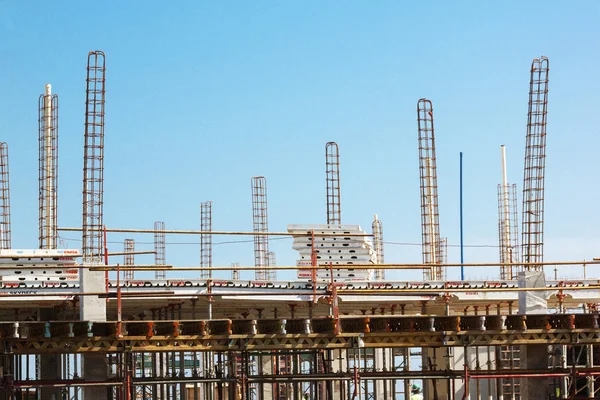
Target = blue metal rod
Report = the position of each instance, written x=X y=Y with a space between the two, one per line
x=462 y=244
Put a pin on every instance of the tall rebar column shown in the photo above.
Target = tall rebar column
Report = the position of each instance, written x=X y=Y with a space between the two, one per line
x=93 y=308
x=378 y=247
x=535 y=165
x=93 y=169
x=260 y=224
x=128 y=258
x=48 y=168
x=332 y=172
x=206 y=239
x=159 y=248
x=430 y=227
x=5 y=232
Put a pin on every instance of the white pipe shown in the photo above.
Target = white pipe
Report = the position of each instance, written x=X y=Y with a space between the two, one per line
x=503 y=151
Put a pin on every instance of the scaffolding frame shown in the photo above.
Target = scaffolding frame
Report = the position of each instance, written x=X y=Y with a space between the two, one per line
x=48 y=168
x=5 y=225
x=332 y=174
x=206 y=239
x=430 y=226
x=260 y=221
x=93 y=170
x=367 y=360
x=535 y=164
x=159 y=248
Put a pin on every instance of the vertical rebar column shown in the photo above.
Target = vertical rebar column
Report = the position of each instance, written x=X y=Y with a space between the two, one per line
x=260 y=224
x=159 y=248
x=430 y=228
x=48 y=168
x=272 y=262
x=206 y=239
x=378 y=247
x=5 y=235
x=332 y=170
x=535 y=164
x=235 y=272
x=93 y=169
x=93 y=308
x=443 y=258
x=128 y=258
x=508 y=231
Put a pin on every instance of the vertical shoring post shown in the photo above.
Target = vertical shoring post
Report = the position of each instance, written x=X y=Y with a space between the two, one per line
x=128 y=258
x=93 y=171
x=377 y=228
x=48 y=168
x=159 y=248
x=5 y=231
x=590 y=364
x=163 y=360
x=154 y=363
x=206 y=239
x=173 y=356
x=488 y=360
x=332 y=172
x=430 y=229
x=260 y=222
x=195 y=355
x=535 y=163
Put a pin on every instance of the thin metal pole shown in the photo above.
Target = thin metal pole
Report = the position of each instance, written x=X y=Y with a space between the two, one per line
x=462 y=243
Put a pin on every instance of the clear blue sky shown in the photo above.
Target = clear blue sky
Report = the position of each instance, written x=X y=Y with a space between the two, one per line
x=201 y=96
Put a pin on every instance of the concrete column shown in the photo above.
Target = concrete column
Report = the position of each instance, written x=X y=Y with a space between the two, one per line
x=339 y=364
x=93 y=308
x=533 y=356
x=266 y=368
x=51 y=364
x=439 y=361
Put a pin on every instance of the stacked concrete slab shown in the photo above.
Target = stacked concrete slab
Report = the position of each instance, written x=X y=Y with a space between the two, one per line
x=336 y=250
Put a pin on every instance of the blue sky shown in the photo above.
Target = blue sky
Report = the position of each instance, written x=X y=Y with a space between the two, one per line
x=201 y=96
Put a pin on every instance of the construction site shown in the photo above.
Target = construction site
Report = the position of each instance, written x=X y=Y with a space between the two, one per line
x=88 y=323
